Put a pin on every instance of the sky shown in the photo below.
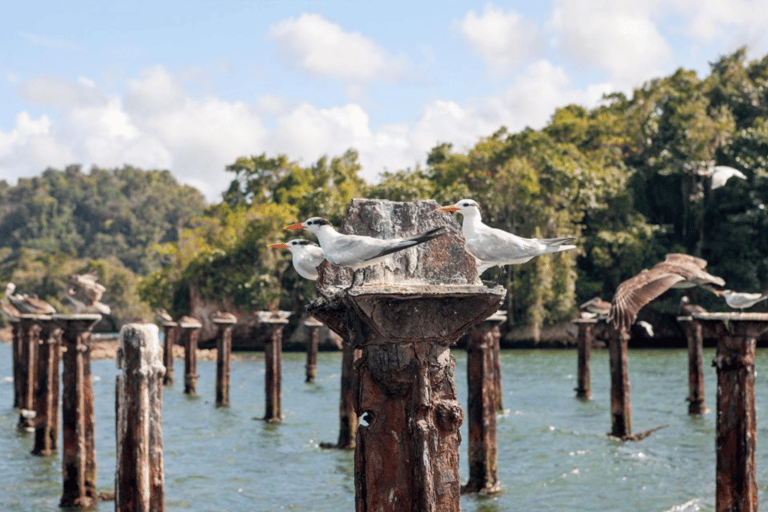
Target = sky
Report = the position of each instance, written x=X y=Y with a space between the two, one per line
x=192 y=85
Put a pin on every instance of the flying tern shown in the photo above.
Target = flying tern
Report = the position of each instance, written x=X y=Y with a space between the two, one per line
x=305 y=255
x=740 y=300
x=493 y=247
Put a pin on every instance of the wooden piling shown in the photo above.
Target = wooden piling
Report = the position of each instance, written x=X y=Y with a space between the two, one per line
x=273 y=360
x=498 y=385
x=481 y=408
x=16 y=345
x=29 y=329
x=313 y=340
x=190 y=330
x=47 y=393
x=139 y=479
x=170 y=334
x=583 y=375
x=78 y=420
x=621 y=406
x=736 y=432
x=348 y=421
x=696 y=394
x=225 y=323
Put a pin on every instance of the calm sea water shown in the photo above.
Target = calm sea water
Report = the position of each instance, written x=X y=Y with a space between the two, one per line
x=553 y=450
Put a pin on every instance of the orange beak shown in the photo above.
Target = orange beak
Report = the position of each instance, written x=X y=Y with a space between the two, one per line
x=294 y=227
x=449 y=209
x=278 y=246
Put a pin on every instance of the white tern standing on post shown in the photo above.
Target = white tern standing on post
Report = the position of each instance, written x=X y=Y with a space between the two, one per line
x=740 y=300
x=305 y=256
x=493 y=247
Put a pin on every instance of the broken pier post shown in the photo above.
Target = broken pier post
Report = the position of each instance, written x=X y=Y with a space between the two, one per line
x=17 y=361
x=29 y=326
x=693 y=334
x=273 y=360
x=225 y=323
x=313 y=340
x=404 y=317
x=736 y=432
x=348 y=421
x=190 y=330
x=139 y=479
x=583 y=377
x=47 y=392
x=481 y=407
x=621 y=406
x=78 y=458
x=170 y=335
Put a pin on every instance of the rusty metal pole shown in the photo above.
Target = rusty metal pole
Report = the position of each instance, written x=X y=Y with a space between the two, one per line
x=30 y=339
x=481 y=408
x=225 y=322
x=736 y=432
x=139 y=479
x=583 y=376
x=78 y=420
x=190 y=330
x=313 y=340
x=17 y=361
x=696 y=395
x=171 y=334
x=621 y=406
x=273 y=360
x=47 y=394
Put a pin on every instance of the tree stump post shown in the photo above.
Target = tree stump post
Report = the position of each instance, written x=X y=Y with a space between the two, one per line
x=313 y=340
x=139 y=479
x=47 y=394
x=78 y=420
x=583 y=376
x=190 y=330
x=30 y=339
x=225 y=323
x=170 y=334
x=696 y=394
x=273 y=360
x=736 y=432
x=481 y=408
x=621 y=406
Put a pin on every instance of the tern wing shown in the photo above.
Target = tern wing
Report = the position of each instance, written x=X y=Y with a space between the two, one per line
x=495 y=245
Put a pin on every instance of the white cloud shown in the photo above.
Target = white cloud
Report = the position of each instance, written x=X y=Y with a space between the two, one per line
x=321 y=48
x=55 y=92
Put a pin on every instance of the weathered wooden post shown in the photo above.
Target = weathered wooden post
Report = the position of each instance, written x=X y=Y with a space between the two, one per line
x=16 y=345
x=78 y=420
x=190 y=330
x=583 y=378
x=404 y=318
x=313 y=340
x=498 y=384
x=621 y=406
x=47 y=393
x=348 y=421
x=171 y=334
x=736 y=432
x=29 y=325
x=225 y=322
x=139 y=479
x=693 y=333
x=273 y=359
x=481 y=408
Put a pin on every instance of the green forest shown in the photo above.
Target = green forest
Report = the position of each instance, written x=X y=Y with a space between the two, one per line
x=629 y=178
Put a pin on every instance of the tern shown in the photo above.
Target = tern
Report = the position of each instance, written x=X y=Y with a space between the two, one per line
x=741 y=300
x=676 y=271
x=358 y=251
x=305 y=255
x=493 y=247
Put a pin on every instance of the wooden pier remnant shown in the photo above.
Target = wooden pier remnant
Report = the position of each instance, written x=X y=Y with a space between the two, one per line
x=621 y=406
x=313 y=340
x=348 y=421
x=47 y=392
x=583 y=375
x=29 y=329
x=694 y=335
x=139 y=479
x=736 y=432
x=190 y=330
x=404 y=317
x=225 y=323
x=78 y=420
x=273 y=359
x=481 y=409
x=170 y=334
x=16 y=360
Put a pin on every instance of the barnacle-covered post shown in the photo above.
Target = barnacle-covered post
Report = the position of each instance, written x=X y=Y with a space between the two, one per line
x=47 y=392
x=225 y=323
x=273 y=360
x=139 y=478
x=29 y=325
x=404 y=317
x=313 y=340
x=170 y=334
x=583 y=376
x=190 y=330
x=735 y=430
x=696 y=395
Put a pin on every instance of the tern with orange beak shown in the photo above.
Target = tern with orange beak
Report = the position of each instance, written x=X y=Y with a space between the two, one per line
x=493 y=247
x=741 y=300
x=306 y=256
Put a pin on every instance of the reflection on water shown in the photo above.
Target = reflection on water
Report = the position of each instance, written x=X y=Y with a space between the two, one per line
x=553 y=450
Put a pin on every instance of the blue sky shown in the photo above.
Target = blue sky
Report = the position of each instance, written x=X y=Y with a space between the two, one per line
x=190 y=85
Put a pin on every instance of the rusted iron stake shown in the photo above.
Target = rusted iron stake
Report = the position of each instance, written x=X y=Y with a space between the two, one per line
x=171 y=334
x=225 y=323
x=621 y=406
x=696 y=395
x=583 y=377
x=190 y=330
x=313 y=340
x=78 y=420
x=47 y=394
x=139 y=480
x=273 y=359
x=481 y=410
x=30 y=338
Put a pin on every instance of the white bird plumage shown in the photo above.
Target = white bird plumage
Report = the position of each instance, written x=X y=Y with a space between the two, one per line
x=493 y=247
x=306 y=256
x=741 y=300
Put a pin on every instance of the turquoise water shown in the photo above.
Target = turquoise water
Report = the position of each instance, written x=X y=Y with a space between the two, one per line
x=553 y=451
